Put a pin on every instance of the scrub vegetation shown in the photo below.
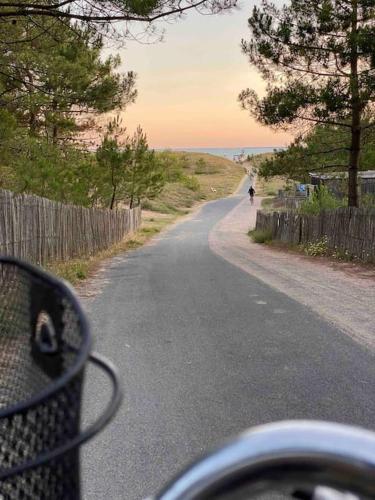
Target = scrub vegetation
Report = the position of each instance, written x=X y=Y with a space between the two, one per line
x=193 y=178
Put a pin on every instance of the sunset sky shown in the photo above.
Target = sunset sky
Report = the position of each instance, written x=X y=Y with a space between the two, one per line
x=188 y=85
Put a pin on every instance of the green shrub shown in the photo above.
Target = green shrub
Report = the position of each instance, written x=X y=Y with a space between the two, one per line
x=340 y=254
x=147 y=204
x=81 y=274
x=202 y=167
x=267 y=203
x=133 y=244
x=368 y=201
x=260 y=235
x=173 y=166
x=149 y=230
x=322 y=199
x=190 y=182
x=316 y=248
x=73 y=271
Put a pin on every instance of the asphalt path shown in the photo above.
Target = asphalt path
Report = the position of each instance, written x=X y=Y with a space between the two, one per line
x=206 y=350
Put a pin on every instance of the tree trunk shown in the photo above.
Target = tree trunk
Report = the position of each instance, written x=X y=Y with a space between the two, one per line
x=355 y=149
x=32 y=114
x=113 y=199
x=54 y=134
x=133 y=187
x=54 y=126
x=114 y=188
x=32 y=124
x=355 y=146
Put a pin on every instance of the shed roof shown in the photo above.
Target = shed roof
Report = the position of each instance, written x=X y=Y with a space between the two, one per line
x=363 y=174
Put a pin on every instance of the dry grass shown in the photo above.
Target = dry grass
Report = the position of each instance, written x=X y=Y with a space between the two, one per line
x=270 y=187
x=257 y=159
x=218 y=178
x=221 y=174
x=76 y=270
x=175 y=199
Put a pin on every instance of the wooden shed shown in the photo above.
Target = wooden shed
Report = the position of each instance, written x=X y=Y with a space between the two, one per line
x=337 y=182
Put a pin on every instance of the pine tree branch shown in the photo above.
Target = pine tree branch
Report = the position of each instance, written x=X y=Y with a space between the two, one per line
x=30 y=6
x=324 y=122
x=106 y=18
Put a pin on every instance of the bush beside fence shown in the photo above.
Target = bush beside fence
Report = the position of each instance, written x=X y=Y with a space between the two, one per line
x=349 y=231
x=41 y=230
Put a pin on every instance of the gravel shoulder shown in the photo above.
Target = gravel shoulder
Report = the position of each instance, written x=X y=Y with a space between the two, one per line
x=341 y=294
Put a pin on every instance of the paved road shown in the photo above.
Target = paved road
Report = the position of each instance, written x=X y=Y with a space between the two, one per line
x=206 y=350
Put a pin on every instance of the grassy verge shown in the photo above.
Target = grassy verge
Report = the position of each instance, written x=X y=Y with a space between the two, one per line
x=319 y=249
x=76 y=270
x=267 y=204
x=260 y=236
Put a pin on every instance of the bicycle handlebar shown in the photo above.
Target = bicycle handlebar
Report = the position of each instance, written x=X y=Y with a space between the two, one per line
x=300 y=454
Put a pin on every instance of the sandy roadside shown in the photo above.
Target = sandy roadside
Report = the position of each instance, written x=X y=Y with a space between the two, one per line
x=344 y=299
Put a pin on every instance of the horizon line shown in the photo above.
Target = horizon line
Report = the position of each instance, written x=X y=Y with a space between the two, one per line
x=218 y=147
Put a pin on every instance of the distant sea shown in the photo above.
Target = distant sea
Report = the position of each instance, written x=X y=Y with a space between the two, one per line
x=230 y=152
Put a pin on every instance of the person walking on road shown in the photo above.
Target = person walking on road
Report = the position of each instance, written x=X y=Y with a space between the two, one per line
x=251 y=193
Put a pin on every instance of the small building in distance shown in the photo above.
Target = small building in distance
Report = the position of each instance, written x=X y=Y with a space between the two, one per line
x=336 y=182
x=239 y=158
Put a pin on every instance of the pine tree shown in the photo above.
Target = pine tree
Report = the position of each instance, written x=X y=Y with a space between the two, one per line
x=145 y=173
x=129 y=171
x=55 y=81
x=113 y=157
x=318 y=58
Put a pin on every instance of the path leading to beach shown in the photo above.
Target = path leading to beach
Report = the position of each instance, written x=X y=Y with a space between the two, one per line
x=209 y=340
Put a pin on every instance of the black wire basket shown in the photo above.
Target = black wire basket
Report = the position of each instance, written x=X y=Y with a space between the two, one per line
x=45 y=344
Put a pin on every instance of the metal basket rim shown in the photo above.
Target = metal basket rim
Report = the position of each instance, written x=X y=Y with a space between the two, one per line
x=84 y=350
x=83 y=436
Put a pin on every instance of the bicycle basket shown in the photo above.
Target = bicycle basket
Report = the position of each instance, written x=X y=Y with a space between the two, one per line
x=44 y=346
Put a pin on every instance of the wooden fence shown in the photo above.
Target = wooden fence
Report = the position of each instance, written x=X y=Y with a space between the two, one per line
x=350 y=231
x=41 y=230
x=289 y=202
